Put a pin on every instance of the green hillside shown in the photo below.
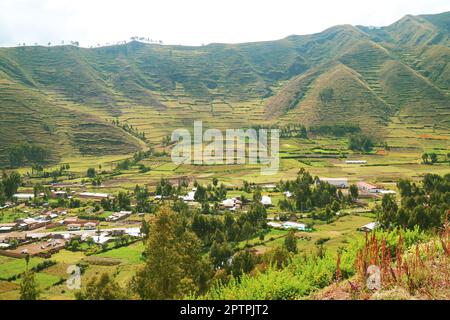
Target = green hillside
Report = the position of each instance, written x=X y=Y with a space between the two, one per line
x=345 y=74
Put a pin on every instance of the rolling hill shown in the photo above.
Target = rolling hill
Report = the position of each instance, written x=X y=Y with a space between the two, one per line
x=63 y=97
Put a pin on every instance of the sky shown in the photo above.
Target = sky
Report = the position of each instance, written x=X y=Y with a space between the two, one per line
x=192 y=22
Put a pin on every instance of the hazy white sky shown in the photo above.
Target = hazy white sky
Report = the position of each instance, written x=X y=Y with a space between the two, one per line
x=192 y=22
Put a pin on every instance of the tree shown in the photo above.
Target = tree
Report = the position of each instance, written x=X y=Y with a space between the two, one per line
x=123 y=201
x=164 y=188
x=303 y=132
x=290 y=242
x=425 y=158
x=246 y=187
x=389 y=211
x=220 y=253
x=243 y=262
x=29 y=289
x=145 y=229
x=74 y=245
x=90 y=242
x=354 y=191
x=11 y=183
x=360 y=143
x=91 y=173
x=278 y=256
x=201 y=194
x=2 y=195
x=247 y=230
x=174 y=265
x=103 y=288
x=142 y=199
x=257 y=195
x=433 y=157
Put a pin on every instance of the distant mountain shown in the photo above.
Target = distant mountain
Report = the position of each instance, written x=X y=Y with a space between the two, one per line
x=345 y=74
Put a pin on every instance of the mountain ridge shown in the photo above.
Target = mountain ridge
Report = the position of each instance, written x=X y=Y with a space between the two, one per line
x=370 y=75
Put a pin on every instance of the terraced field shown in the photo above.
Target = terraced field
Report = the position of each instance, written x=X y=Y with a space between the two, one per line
x=64 y=97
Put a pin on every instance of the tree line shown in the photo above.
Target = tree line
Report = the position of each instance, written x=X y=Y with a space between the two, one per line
x=24 y=153
x=425 y=205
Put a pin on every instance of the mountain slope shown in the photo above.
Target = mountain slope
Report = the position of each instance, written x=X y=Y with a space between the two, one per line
x=27 y=116
x=345 y=74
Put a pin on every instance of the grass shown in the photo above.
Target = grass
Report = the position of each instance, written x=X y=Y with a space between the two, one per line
x=130 y=254
x=12 y=267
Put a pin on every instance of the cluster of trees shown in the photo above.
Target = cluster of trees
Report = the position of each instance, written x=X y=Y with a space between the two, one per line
x=121 y=202
x=164 y=188
x=308 y=194
x=429 y=158
x=143 y=203
x=212 y=192
x=38 y=171
x=337 y=130
x=287 y=131
x=25 y=153
x=9 y=185
x=228 y=228
x=175 y=263
x=426 y=205
x=293 y=130
x=360 y=143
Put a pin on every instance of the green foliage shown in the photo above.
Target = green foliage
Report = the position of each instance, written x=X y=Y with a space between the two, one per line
x=164 y=188
x=142 y=199
x=10 y=183
x=103 y=288
x=309 y=194
x=338 y=130
x=290 y=242
x=22 y=154
x=243 y=262
x=91 y=173
x=360 y=143
x=353 y=189
x=305 y=274
x=29 y=289
x=220 y=252
x=174 y=266
x=423 y=206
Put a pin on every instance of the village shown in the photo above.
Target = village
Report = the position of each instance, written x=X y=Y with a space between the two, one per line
x=43 y=231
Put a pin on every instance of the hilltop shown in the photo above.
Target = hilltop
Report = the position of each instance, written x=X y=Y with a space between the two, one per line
x=65 y=97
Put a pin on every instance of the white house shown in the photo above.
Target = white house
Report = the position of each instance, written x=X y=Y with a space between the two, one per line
x=294 y=225
x=356 y=162
x=189 y=197
x=369 y=227
x=266 y=201
x=94 y=195
x=102 y=238
x=384 y=191
x=74 y=227
x=371 y=188
x=274 y=224
x=228 y=203
x=23 y=196
x=119 y=215
x=288 y=194
x=90 y=226
x=367 y=187
x=269 y=186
